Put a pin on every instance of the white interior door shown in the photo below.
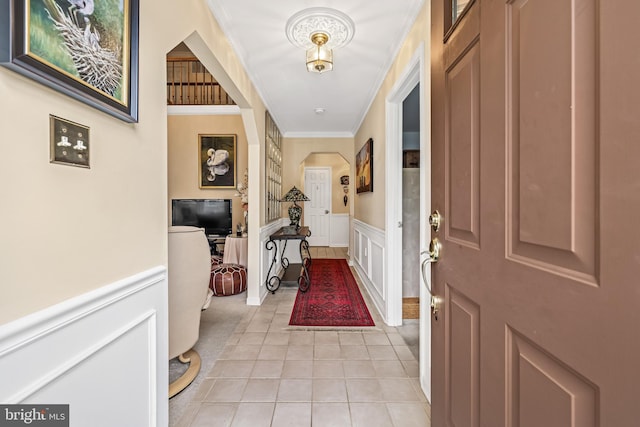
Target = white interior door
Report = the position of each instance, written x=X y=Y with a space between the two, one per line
x=317 y=211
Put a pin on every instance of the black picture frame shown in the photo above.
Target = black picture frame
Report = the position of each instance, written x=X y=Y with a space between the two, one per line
x=217 y=161
x=35 y=36
x=364 y=168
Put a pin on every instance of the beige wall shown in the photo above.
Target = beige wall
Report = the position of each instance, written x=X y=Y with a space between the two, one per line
x=296 y=150
x=66 y=230
x=369 y=207
x=183 y=157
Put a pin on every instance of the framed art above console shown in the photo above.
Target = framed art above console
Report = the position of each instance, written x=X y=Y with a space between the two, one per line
x=364 y=168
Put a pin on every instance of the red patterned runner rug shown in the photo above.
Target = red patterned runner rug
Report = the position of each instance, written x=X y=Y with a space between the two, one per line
x=333 y=298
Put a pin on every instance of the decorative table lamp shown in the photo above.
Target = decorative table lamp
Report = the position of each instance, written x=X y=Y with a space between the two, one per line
x=295 y=212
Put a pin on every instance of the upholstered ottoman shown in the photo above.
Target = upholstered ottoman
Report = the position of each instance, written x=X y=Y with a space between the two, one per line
x=228 y=279
x=216 y=260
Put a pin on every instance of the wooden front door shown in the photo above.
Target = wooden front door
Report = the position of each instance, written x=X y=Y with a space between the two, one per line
x=536 y=170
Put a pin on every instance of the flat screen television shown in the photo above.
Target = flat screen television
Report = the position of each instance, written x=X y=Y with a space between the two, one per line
x=214 y=215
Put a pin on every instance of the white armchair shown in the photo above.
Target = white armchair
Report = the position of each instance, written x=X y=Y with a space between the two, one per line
x=189 y=273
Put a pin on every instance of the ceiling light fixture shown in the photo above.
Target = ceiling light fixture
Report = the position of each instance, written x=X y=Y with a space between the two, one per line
x=319 y=58
x=319 y=30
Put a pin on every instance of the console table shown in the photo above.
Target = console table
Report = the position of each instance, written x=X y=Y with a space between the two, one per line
x=290 y=273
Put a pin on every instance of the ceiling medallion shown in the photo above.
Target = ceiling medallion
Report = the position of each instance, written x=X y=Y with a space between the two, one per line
x=336 y=25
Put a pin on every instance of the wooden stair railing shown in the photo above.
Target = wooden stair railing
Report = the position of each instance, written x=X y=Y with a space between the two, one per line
x=190 y=83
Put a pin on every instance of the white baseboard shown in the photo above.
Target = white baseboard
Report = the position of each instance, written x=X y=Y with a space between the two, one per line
x=105 y=353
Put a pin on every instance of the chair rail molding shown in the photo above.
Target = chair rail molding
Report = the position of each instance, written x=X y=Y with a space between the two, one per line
x=111 y=339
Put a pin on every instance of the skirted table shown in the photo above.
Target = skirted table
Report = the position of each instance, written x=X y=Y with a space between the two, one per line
x=289 y=273
x=235 y=250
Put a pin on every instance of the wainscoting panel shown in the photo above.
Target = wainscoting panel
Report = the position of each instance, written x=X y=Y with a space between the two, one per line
x=339 y=230
x=369 y=262
x=267 y=256
x=105 y=353
x=356 y=247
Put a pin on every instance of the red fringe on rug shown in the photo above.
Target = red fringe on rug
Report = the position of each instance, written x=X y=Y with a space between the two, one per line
x=333 y=298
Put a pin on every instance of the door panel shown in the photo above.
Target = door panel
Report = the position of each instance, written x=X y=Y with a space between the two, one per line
x=543 y=389
x=463 y=370
x=462 y=141
x=535 y=130
x=317 y=186
x=552 y=123
x=541 y=121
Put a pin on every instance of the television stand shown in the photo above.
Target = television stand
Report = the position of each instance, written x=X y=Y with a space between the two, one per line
x=289 y=273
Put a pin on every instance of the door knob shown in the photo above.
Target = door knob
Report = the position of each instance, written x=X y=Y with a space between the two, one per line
x=435 y=247
x=433 y=254
x=435 y=220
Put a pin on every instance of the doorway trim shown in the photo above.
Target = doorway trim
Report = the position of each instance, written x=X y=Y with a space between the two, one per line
x=413 y=74
x=256 y=290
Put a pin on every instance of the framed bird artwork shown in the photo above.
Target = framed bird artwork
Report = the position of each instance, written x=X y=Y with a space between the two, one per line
x=86 y=49
x=218 y=161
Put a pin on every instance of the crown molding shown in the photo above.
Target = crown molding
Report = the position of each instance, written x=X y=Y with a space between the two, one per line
x=318 y=135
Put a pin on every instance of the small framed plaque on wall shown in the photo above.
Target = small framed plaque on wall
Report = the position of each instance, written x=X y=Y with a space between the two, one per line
x=69 y=142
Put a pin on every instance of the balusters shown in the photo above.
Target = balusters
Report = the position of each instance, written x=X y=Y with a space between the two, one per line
x=194 y=85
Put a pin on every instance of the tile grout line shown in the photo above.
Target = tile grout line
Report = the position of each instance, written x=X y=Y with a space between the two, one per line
x=265 y=317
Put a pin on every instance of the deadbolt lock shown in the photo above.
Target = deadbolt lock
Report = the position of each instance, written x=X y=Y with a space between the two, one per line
x=435 y=220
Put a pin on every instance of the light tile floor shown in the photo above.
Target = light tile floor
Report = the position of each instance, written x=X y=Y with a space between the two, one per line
x=271 y=374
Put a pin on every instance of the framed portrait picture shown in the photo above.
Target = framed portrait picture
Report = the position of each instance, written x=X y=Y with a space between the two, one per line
x=364 y=168
x=217 y=161
x=86 y=49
